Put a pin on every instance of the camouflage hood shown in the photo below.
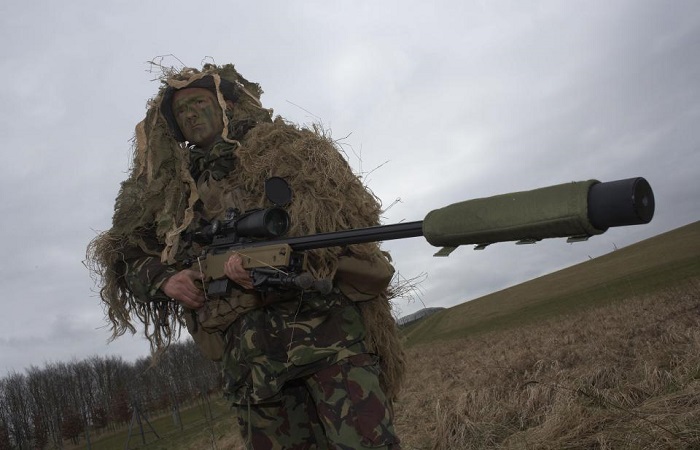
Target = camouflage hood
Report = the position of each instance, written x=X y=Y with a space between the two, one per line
x=160 y=193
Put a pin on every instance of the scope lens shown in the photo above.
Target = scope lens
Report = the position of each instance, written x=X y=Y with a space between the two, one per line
x=276 y=222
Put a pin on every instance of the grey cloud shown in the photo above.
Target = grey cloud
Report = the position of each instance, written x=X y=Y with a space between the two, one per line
x=468 y=100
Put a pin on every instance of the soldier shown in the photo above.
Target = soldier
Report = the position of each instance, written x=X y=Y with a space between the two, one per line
x=302 y=369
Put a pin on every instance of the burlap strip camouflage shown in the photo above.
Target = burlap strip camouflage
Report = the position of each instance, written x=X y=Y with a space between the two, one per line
x=157 y=202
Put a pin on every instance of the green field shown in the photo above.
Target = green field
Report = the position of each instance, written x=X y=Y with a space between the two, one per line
x=201 y=422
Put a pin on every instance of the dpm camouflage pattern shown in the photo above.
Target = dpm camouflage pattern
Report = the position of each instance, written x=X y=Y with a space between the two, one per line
x=339 y=407
x=271 y=345
x=145 y=275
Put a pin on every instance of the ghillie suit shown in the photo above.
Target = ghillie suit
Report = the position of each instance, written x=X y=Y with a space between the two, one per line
x=164 y=196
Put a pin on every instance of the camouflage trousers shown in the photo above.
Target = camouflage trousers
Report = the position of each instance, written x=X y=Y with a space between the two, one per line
x=339 y=407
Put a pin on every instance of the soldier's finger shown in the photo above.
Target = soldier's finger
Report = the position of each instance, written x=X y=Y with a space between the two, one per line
x=193 y=302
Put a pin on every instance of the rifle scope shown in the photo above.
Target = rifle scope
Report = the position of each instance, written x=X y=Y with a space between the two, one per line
x=261 y=223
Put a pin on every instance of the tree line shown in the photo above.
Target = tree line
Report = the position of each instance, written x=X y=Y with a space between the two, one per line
x=44 y=407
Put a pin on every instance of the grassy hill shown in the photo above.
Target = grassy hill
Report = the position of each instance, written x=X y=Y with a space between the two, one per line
x=601 y=355
x=645 y=267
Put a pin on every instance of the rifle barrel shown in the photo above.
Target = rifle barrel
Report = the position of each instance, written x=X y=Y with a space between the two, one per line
x=338 y=238
x=357 y=236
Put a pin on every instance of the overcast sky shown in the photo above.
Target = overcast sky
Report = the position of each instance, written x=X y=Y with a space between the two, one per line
x=437 y=102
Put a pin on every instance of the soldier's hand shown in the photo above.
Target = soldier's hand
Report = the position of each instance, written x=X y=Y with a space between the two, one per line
x=182 y=287
x=233 y=268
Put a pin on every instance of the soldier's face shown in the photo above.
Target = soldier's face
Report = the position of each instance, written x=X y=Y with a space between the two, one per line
x=198 y=115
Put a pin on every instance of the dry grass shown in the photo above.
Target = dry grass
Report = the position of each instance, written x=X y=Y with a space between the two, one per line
x=621 y=376
x=626 y=375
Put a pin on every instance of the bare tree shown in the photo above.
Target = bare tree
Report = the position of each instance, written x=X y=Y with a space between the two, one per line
x=5 y=442
x=109 y=375
x=44 y=404
x=65 y=400
x=17 y=404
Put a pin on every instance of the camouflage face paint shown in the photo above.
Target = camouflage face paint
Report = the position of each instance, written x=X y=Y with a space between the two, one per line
x=198 y=115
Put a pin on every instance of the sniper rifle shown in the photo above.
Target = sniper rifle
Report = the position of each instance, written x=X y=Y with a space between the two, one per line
x=576 y=211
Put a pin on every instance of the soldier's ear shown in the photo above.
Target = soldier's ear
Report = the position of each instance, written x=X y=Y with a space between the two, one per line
x=229 y=104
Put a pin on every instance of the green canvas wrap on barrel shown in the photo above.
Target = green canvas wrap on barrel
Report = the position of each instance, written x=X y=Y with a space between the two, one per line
x=554 y=211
